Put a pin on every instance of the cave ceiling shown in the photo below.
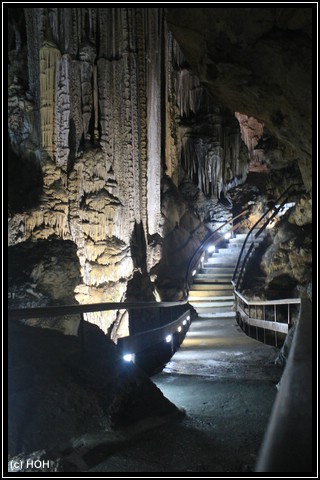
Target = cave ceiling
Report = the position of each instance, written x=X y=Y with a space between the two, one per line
x=256 y=61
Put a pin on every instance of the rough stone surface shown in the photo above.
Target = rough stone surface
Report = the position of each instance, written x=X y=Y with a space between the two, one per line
x=58 y=391
x=44 y=273
x=289 y=254
x=126 y=144
x=256 y=61
x=92 y=96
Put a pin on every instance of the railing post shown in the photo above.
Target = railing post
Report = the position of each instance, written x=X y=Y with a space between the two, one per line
x=275 y=319
x=81 y=331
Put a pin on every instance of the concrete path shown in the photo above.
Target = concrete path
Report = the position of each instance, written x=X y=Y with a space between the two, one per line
x=225 y=382
x=217 y=347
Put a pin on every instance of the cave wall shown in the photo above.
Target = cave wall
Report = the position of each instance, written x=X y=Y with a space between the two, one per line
x=115 y=129
x=207 y=138
x=89 y=114
x=256 y=61
x=102 y=103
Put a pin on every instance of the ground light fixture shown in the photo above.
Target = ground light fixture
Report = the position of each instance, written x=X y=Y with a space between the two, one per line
x=168 y=338
x=128 y=357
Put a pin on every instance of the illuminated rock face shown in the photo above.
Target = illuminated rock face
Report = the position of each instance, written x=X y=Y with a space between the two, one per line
x=109 y=104
x=104 y=108
x=94 y=85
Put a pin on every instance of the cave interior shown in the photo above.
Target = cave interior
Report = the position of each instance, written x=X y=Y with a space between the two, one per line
x=133 y=133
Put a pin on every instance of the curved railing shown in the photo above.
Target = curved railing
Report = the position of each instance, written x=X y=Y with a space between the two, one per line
x=162 y=340
x=199 y=251
x=265 y=315
x=238 y=271
x=40 y=312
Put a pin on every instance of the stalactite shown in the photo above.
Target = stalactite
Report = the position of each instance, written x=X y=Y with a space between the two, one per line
x=63 y=112
x=154 y=126
x=33 y=52
x=173 y=142
x=142 y=33
x=251 y=132
x=49 y=58
x=54 y=221
x=54 y=25
x=87 y=58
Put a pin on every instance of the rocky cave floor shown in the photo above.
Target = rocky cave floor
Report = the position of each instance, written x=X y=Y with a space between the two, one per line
x=220 y=433
x=227 y=396
x=222 y=417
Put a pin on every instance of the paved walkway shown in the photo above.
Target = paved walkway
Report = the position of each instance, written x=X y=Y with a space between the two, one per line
x=217 y=347
x=225 y=382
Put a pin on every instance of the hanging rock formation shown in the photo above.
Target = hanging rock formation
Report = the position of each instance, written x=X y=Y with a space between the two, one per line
x=256 y=61
x=110 y=105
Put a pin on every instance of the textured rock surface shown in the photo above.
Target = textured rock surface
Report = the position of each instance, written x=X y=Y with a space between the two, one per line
x=256 y=61
x=88 y=112
x=290 y=253
x=44 y=273
x=117 y=150
x=108 y=105
x=58 y=392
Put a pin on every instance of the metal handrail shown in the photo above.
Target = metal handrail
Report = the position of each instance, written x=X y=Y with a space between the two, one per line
x=261 y=229
x=150 y=337
x=39 y=312
x=201 y=247
x=273 y=325
x=141 y=341
x=279 y=301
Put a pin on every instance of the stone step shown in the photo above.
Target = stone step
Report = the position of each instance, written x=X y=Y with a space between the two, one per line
x=219 y=316
x=237 y=239
x=224 y=254
x=212 y=277
x=212 y=290
x=202 y=310
x=219 y=263
x=230 y=250
x=206 y=281
x=217 y=269
x=199 y=297
x=212 y=304
x=211 y=286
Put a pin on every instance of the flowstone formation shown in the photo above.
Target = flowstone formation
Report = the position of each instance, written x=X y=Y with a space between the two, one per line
x=87 y=115
x=102 y=105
